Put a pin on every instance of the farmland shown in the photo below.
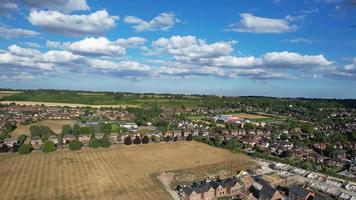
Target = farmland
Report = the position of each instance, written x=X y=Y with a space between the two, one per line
x=54 y=125
x=119 y=172
x=72 y=105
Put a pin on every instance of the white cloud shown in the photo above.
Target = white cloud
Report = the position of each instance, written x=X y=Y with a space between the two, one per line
x=254 y=24
x=188 y=48
x=162 y=22
x=193 y=56
x=14 y=49
x=8 y=32
x=348 y=71
x=100 y=46
x=96 y=23
x=287 y=59
x=18 y=57
x=117 y=66
x=64 y=6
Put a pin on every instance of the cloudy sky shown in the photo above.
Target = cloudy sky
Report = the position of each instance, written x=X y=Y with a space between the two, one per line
x=291 y=48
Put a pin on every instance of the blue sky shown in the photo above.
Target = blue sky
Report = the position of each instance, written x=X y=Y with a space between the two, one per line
x=274 y=48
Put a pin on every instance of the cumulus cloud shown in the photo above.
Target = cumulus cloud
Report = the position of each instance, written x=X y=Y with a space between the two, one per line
x=348 y=71
x=187 y=48
x=8 y=32
x=64 y=6
x=22 y=58
x=162 y=22
x=100 y=46
x=96 y=23
x=253 y=24
x=287 y=59
x=194 y=56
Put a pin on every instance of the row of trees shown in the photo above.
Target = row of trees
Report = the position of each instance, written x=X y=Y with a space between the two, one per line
x=145 y=139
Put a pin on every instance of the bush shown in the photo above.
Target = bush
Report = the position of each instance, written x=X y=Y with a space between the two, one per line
x=75 y=145
x=105 y=142
x=24 y=149
x=189 y=137
x=22 y=138
x=128 y=140
x=145 y=139
x=48 y=146
x=167 y=138
x=94 y=143
x=137 y=140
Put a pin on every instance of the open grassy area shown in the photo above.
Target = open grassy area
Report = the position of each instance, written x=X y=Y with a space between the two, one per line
x=119 y=172
x=55 y=125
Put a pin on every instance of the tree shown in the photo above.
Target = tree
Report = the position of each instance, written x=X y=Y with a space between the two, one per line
x=22 y=138
x=287 y=154
x=217 y=140
x=175 y=139
x=232 y=144
x=94 y=143
x=128 y=140
x=167 y=138
x=48 y=146
x=189 y=137
x=66 y=130
x=9 y=127
x=4 y=148
x=41 y=131
x=106 y=128
x=77 y=130
x=137 y=140
x=24 y=149
x=145 y=139
x=154 y=138
x=105 y=142
x=75 y=145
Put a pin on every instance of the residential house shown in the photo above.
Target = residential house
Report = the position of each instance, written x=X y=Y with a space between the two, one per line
x=99 y=136
x=54 y=139
x=219 y=187
x=114 y=138
x=340 y=154
x=10 y=141
x=300 y=193
x=190 y=194
x=338 y=162
x=68 y=139
x=84 y=138
x=233 y=187
x=36 y=142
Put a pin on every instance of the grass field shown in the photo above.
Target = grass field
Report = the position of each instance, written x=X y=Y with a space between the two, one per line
x=119 y=172
x=55 y=125
x=72 y=105
x=7 y=93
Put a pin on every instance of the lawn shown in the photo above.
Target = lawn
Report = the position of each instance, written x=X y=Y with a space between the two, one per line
x=54 y=125
x=119 y=172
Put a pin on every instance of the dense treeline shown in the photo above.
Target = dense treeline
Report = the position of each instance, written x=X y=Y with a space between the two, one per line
x=210 y=102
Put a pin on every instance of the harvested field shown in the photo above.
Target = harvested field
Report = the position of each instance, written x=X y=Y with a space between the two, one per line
x=119 y=172
x=55 y=125
x=72 y=105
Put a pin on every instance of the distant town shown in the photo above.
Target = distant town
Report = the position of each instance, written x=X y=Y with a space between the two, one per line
x=306 y=148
